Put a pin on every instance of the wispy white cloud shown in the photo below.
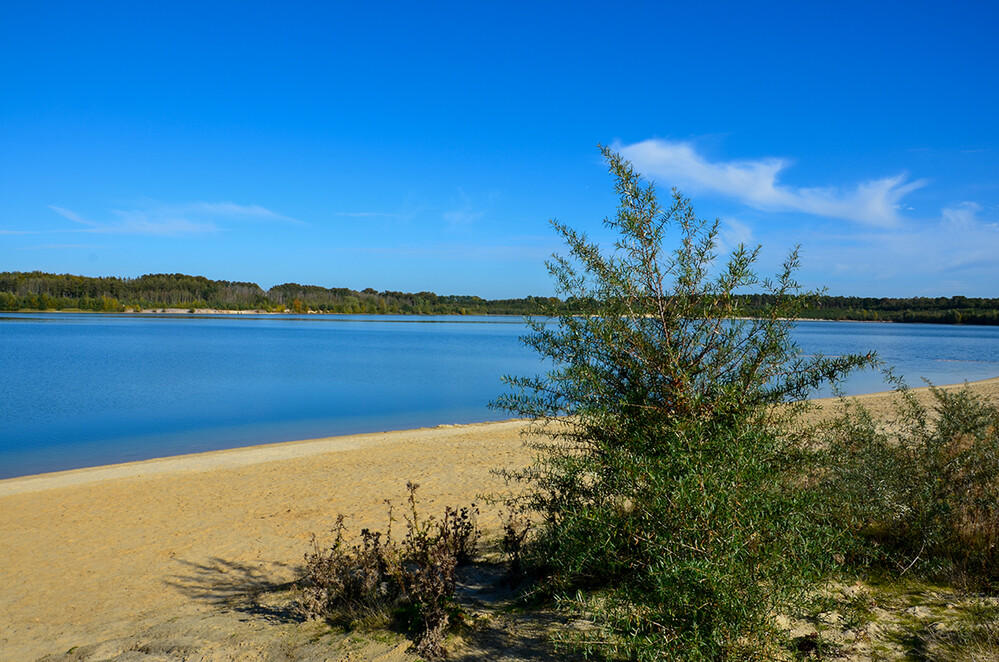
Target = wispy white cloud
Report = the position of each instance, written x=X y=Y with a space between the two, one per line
x=962 y=217
x=73 y=216
x=957 y=250
x=973 y=241
x=173 y=220
x=229 y=210
x=160 y=222
x=756 y=183
x=458 y=217
x=732 y=232
x=369 y=214
x=464 y=213
x=44 y=247
x=452 y=251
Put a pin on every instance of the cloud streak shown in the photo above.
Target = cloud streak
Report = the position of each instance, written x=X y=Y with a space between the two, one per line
x=369 y=214
x=756 y=184
x=73 y=216
x=45 y=247
x=452 y=251
x=173 y=220
x=464 y=214
x=228 y=210
x=957 y=251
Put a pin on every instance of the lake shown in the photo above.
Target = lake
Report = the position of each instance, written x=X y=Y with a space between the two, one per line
x=84 y=390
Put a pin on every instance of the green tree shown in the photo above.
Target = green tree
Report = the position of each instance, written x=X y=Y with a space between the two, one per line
x=667 y=490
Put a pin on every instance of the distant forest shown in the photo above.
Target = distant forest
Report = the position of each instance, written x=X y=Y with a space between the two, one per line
x=42 y=291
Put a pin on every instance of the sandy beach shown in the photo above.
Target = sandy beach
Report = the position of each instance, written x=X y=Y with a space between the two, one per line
x=153 y=560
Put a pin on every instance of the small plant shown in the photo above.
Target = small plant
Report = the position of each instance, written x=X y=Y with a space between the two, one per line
x=378 y=577
x=460 y=533
x=515 y=531
x=347 y=583
x=431 y=552
x=857 y=610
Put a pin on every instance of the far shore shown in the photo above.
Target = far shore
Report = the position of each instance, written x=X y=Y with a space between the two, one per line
x=133 y=556
x=188 y=312
x=194 y=312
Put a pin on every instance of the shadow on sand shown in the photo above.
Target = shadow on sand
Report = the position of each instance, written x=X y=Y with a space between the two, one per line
x=254 y=590
x=497 y=628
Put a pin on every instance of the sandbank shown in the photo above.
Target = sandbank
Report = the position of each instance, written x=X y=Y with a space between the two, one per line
x=156 y=550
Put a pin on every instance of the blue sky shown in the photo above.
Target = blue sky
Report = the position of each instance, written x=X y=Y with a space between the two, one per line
x=424 y=146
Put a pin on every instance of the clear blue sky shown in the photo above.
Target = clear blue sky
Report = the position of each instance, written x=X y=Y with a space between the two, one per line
x=424 y=146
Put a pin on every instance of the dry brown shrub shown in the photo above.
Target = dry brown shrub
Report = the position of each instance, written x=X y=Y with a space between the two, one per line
x=413 y=579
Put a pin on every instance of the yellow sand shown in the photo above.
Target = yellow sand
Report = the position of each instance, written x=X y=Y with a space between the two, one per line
x=94 y=554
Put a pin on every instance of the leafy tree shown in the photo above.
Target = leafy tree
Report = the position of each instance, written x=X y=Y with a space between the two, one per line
x=668 y=488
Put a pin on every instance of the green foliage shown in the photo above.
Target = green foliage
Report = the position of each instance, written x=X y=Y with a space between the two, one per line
x=933 y=310
x=42 y=291
x=668 y=495
x=921 y=489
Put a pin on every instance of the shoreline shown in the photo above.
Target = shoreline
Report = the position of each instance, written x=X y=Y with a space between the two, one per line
x=125 y=552
x=200 y=312
x=166 y=553
x=208 y=312
x=231 y=458
x=285 y=450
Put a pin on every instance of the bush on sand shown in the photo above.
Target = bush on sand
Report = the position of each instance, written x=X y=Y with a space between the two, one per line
x=378 y=577
x=919 y=491
x=666 y=488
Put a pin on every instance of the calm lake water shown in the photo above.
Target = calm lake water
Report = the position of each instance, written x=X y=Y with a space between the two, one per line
x=86 y=390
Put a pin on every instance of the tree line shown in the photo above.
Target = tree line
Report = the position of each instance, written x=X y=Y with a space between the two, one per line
x=44 y=291
x=932 y=310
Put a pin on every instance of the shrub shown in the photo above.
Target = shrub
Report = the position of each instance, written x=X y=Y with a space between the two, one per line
x=666 y=494
x=378 y=577
x=515 y=530
x=431 y=552
x=922 y=489
x=344 y=584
